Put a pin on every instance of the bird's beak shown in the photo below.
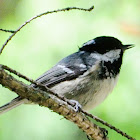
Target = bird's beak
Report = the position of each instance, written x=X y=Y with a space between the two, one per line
x=125 y=47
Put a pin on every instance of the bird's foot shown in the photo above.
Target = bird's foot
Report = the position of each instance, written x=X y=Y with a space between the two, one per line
x=76 y=106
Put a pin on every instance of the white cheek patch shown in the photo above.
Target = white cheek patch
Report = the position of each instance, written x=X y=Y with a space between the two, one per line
x=65 y=69
x=108 y=56
x=113 y=54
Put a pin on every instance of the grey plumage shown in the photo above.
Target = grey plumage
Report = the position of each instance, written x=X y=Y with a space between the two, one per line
x=67 y=69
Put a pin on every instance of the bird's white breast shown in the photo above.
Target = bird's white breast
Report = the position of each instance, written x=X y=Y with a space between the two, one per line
x=97 y=91
x=105 y=87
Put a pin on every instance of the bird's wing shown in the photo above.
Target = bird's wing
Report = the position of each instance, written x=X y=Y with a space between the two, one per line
x=67 y=69
x=59 y=73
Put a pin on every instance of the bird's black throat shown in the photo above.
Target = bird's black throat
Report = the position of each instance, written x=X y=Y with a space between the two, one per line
x=110 y=69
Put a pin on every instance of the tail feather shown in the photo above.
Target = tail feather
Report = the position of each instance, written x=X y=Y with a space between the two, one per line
x=14 y=103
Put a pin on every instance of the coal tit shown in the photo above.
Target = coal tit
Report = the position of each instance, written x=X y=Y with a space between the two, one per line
x=87 y=76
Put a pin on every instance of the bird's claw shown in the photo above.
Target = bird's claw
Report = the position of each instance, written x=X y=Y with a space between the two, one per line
x=76 y=106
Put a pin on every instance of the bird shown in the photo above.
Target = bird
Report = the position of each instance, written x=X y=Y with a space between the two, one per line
x=85 y=77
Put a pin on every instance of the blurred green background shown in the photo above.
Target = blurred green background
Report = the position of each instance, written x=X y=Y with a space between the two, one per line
x=45 y=41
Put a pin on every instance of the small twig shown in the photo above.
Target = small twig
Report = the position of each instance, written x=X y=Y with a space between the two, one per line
x=48 y=12
x=69 y=103
x=10 y=31
x=108 y=125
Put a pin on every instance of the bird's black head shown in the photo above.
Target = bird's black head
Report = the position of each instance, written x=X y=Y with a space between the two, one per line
x=103 y=44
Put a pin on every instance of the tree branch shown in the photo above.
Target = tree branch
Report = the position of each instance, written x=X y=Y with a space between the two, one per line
x=40 y=15
x=44 y=99
x=44 y=88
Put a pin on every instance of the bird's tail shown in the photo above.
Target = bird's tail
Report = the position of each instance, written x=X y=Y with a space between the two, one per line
x=14 y=103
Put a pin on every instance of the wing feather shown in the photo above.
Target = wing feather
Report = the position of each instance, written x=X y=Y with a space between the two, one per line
x=66 y=70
